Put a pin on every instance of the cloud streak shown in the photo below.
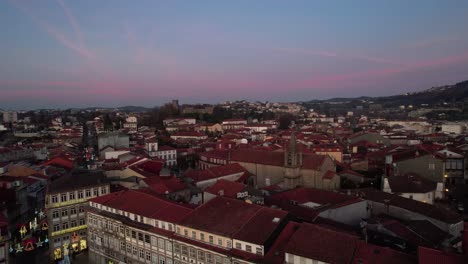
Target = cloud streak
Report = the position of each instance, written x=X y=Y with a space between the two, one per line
x=73 y=22
x=57 y=35
x=330 y=54
x=380 y=73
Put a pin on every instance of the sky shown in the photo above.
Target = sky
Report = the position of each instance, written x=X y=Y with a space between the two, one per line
x=64 y=53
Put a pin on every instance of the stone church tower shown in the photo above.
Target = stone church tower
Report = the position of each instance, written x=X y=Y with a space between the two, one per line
x=292 y=164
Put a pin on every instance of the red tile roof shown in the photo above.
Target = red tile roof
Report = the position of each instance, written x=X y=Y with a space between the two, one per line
x=277 y=252
x=235 y=219
x=164 y=185
x=329 y=175
x=144 y=204
x=318 y=243
x=411 y=183
x=434 y=256
x=214 y=172
x=230 y=189
x=371 y=254
x=59 y=161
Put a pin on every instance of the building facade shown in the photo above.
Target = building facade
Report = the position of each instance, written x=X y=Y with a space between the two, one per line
x=66 y=199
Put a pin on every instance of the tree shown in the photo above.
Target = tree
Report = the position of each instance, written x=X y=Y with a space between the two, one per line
x=285 y=121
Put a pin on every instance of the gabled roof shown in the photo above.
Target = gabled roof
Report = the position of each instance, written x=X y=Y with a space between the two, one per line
x=411 y=183
x=236 y=219
x=321 y=244
x=431 y=211
x=59 y=161
x=214 y=172
x=230 y=189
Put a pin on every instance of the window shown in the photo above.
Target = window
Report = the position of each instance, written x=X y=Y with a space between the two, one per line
x=142 y=253
x=184 y=251
x=133 y=234
x=202 y=236
x=65 y=225
x=248 y=248
x=122 y=229
x=55 y=214
x=56 y=228
x=201 y=255
x=259 y=251
x=64 y=212
x=220 y=241
x=73 y=211
x=82 y=222
x=148 y=255
x=95 y=192
x=147 y=239
x=228 y=243
x=104 y=190
x=63 y=197
x=193 y=253
x=209 y=258
x=162 y=260
x=176 y=248
x=122 y=245
x=140 y=236
x=129 y=248
x=238 y=245
x=54 y=199
x=161 y=243
x=134 y=250
x=81 y=209
x=80 y=195
x=88 y=193
x=194 y=234
x=170 y=227
x=211 y=239
x=73 y=223
x=71 y=195
x=168 y=245
x=178 y=229
x=185 y=232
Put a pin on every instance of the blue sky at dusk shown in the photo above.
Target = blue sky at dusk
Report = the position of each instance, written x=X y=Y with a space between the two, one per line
x=64 y=53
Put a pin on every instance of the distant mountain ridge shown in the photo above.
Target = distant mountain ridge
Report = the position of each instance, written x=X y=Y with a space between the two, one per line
x=434 y=95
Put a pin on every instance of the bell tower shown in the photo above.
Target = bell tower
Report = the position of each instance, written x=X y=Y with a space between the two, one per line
x=292 y=164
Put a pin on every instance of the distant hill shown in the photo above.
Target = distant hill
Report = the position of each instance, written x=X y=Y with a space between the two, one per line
x=435 y=95
x=127 y=109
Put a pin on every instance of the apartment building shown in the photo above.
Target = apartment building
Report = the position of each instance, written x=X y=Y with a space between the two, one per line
x=123 y=229
x=66 y=199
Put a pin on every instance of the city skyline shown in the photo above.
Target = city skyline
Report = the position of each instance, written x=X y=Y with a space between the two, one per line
x=79 y=54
